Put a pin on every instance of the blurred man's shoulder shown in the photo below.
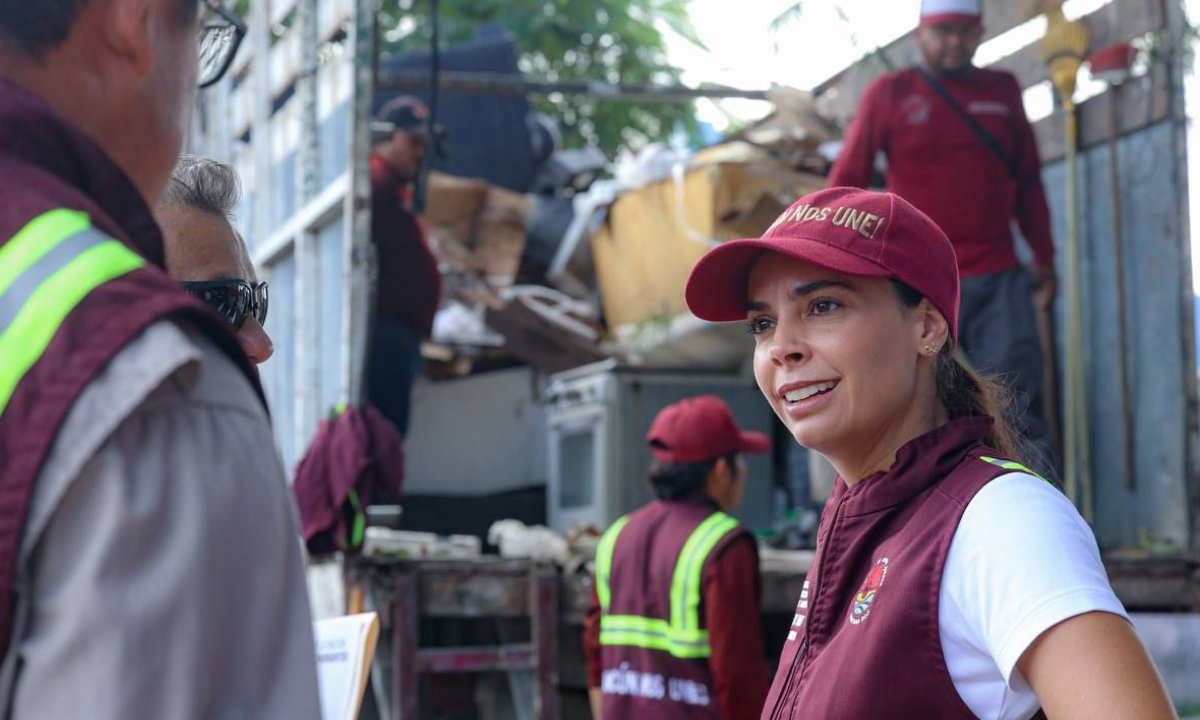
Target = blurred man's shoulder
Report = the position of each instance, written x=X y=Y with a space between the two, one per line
x=208 y=377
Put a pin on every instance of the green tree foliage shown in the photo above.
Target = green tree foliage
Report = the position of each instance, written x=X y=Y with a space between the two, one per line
x=614 y=41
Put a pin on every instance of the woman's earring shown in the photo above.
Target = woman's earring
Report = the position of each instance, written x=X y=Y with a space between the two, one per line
x=931 y=350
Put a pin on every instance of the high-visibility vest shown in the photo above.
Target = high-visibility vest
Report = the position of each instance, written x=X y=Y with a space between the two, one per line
x=71 y=298
x=46 y=270
x=680 y=635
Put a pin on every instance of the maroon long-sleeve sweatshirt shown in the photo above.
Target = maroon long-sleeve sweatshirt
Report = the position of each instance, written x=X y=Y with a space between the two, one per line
x=936 y=162
x=410 y=284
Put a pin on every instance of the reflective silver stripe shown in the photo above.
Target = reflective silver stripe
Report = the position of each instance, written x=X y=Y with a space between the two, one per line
x=15 y=297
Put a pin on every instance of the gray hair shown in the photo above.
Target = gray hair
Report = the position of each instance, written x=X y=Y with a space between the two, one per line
x=204 y=184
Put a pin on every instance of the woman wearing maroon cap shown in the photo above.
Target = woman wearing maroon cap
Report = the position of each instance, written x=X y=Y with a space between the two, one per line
x=673 y=632
x=949 y=580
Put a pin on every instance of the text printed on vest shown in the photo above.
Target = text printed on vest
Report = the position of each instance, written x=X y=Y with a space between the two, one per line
x=653 y=686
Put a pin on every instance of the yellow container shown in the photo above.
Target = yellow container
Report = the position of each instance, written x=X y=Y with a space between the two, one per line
x=656 y=233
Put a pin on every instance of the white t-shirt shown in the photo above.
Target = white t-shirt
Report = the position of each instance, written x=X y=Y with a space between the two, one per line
x=1021 y=561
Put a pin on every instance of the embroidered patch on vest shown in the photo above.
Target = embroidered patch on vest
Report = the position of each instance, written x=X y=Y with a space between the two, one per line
x=865 y=598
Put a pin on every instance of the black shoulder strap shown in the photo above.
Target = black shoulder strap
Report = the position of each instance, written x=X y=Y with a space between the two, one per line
x=991 y=142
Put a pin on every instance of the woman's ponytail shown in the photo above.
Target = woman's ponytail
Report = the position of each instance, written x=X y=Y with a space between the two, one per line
x=965 y=393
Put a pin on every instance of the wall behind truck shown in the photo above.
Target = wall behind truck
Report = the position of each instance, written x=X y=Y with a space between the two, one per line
x=1157 y=352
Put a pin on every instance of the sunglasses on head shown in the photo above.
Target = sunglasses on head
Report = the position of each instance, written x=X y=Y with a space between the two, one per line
x=232 y=298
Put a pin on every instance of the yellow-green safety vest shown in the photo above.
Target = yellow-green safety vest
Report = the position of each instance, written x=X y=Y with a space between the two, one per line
x=681 y=636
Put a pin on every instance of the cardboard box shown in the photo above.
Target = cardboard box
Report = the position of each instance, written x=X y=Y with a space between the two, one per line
x=476 y=227
x=656 y=233
x=499 y=240
x=451 y=212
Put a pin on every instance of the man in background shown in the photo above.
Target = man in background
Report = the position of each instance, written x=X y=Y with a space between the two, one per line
x=409 y=284
x=960 y=147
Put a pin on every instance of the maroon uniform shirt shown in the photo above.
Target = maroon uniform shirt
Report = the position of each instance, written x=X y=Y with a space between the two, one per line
x=409 y=284
x=937 y=163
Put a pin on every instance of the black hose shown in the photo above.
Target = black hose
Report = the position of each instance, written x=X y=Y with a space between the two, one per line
x=432 y=140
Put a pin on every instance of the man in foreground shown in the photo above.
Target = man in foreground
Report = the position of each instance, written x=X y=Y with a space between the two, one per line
x=149 y=562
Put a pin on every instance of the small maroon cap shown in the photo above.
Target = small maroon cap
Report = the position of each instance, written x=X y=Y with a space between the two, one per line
x=850 y=231
x=700 y=428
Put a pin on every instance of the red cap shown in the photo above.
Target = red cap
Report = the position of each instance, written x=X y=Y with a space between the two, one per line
x=947 y=12
x=850 y=231
x=700 y=428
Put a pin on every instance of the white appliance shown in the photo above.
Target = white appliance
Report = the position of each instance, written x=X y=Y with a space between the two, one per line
x=597 y=417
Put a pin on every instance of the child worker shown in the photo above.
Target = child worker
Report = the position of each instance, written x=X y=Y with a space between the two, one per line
x=673 y=631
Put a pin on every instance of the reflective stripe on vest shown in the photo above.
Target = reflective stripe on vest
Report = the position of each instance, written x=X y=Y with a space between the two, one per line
x=681 y=636
x=46 y=270
x=1010 y=465
x=604 y=556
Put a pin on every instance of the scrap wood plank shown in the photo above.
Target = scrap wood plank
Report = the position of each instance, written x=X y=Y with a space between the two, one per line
x=1155 y=583
x=457 y=588
x=501 y=658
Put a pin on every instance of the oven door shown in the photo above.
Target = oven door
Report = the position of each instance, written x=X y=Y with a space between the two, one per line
x=578 y=449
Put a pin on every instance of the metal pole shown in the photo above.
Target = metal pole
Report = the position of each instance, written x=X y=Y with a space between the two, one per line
x=306 y=298
x=434 y=85
x=1127 y=445
x=360 y=272
x=308 y=156
x=500 y=84
x=1078 y=460
x=260 y=127
x=545 y=610
x=1177 y=25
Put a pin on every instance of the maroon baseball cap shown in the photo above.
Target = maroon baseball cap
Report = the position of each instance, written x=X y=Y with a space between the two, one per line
x=850 y=231
x=700 y=428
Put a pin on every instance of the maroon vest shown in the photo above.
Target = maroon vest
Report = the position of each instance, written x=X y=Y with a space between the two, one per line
x=865 y=641
x=650 y=684
x=45 y=163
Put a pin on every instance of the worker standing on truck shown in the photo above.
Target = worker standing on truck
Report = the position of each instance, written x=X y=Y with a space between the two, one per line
x=150 y=565
x=673 y=630
x=409 y=283
x=959 y=146
x=949 y=581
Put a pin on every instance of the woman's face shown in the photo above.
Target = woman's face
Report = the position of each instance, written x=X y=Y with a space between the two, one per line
x=839 y=358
